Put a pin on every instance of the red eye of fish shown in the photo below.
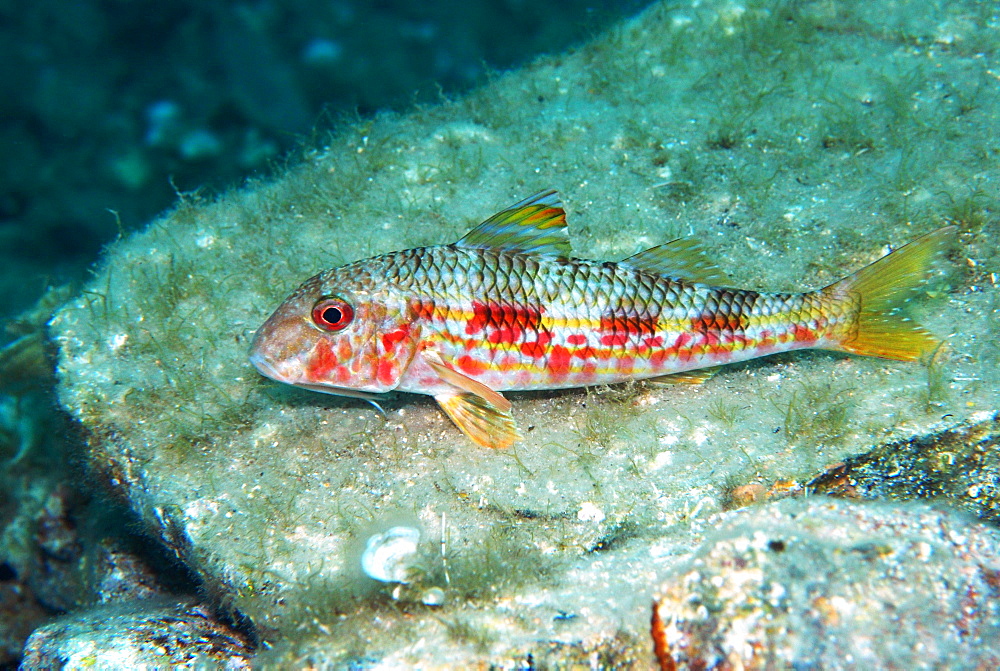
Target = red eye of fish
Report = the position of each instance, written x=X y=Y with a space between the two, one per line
x=332 y=314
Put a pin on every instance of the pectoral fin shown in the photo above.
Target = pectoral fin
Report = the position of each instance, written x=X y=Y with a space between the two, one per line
x=484 y=423
x=464 y=382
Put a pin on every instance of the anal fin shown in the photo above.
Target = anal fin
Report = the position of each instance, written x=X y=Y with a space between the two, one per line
x=698 y=376
x=484 y=423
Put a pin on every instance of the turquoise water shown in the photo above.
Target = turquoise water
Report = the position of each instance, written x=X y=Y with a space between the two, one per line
x=110 y=110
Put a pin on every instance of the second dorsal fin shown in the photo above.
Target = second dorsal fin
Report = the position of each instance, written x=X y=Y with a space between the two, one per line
x=536 y=225
x=683 y=259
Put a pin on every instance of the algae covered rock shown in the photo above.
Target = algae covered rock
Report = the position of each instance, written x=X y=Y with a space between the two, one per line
x=757 y=129
x=149 y=635
x=825 y=584
x=960 y=465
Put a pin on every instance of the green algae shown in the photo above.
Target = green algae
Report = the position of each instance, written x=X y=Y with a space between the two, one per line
x=264 y=491
x=817 y=412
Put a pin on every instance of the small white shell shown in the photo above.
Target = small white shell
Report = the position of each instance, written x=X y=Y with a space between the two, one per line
x=433 y=596
x=388 y=556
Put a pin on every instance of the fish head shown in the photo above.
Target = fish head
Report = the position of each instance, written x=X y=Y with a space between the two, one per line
x=338 y=333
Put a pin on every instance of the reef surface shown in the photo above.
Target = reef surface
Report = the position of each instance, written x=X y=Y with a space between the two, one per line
x=798 y=142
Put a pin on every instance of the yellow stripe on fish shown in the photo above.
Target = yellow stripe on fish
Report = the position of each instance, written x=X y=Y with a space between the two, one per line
x=508 y=308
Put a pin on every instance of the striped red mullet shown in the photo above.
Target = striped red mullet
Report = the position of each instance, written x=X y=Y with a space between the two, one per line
x=507 y=307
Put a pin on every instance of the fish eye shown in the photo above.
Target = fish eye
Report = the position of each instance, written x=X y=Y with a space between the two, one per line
x=332 y=314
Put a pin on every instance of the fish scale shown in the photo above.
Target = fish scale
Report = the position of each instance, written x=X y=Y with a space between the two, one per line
x=630 y=310
x=508 y=308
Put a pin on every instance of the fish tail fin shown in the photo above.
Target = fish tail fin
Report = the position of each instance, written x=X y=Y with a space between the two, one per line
x=878 y=291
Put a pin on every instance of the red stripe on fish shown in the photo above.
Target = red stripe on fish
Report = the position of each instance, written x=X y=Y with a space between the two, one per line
x=471 y=366
x=558 y=363
x=538 y=347
x=393 y=338
x=386 y=371
x=620 y=327
x=503 y=322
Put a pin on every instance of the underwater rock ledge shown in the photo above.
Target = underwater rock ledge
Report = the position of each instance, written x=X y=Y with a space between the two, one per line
x=818 y=583
x=772 y=134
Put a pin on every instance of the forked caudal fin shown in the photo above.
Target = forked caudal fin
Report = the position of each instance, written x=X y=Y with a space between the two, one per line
x=879 y=290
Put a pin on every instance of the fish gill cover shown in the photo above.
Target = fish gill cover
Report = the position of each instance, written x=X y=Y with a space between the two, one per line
x=796 y=142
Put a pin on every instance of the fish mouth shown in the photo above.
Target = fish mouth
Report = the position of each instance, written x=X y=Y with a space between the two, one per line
x=267 y=369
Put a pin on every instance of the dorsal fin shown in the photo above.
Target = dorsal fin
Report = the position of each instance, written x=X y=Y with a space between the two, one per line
x=683 y=259
x=536 y=225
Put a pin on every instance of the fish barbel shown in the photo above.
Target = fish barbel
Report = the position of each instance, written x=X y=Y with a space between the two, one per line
x=507 y=307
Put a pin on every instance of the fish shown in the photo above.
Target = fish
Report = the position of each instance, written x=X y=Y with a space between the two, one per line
x=507 y=308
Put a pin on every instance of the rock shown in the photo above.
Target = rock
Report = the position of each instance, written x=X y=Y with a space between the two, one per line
x=139 y=635
x=57 y=579
x=20 y=613
x=756 y=129
x=818 y=583
x=121 y=575
x=960 y=465
x=39 y=549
